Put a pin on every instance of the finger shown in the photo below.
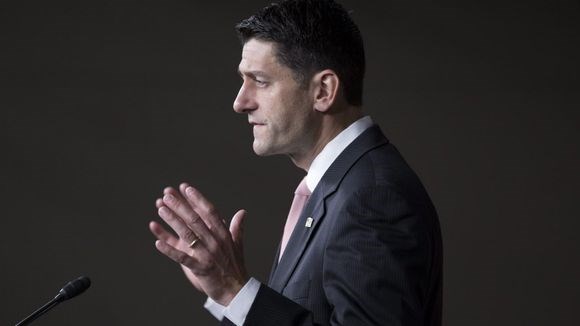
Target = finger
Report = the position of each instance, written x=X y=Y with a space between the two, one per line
x=205 y=209
x=159 y=203
x=178 y=225
x=178 y=203
x=181 y=208
x=237 y=227
x=176 y=255
x=160 y=233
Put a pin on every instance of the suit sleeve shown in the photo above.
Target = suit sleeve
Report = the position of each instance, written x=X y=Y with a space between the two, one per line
x=376 y=267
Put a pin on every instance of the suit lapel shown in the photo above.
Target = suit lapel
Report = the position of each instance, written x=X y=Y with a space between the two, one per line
x=298 y=241
x=274 y=265
x=315 y=207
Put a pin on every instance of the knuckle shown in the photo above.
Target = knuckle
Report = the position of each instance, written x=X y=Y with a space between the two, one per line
x=221 y=234
x=212 y=248
x=195 y=220
x=208 y=267
x=176 y=203
x=182 y=259
x=211 y=210
x=188 y=236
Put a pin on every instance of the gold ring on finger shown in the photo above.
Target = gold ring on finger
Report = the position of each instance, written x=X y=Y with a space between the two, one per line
x=193 y=242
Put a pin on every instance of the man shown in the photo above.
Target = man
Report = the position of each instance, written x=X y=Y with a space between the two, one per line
x=362 y=244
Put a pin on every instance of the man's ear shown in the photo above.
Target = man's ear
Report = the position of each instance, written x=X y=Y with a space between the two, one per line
x=326 y=85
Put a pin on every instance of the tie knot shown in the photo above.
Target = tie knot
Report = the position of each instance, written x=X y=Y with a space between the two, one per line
x=302 y=189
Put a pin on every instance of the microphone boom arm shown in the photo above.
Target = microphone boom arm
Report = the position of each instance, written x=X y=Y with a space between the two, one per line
x=70 y=290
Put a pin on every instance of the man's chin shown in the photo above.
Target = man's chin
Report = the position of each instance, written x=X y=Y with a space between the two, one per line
x=261 y=150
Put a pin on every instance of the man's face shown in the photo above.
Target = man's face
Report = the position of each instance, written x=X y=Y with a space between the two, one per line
x=278 y=107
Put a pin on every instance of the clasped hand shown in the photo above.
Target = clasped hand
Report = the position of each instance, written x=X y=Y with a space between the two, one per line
x=214 y=263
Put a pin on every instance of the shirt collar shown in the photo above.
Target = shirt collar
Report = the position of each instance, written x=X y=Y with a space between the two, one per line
x=330 y=152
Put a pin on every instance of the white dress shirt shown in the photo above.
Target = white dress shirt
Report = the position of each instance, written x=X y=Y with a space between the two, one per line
x=239 y=307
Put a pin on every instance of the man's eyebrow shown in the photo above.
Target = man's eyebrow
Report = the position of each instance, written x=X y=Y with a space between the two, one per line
x=252 y=73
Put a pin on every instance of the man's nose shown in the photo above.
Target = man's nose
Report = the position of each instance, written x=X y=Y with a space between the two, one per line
x=245 y=101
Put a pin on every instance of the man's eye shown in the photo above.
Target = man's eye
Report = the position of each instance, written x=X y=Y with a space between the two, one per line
x=260 y=82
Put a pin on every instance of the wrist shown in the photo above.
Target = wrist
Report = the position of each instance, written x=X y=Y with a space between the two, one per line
x=230 y=293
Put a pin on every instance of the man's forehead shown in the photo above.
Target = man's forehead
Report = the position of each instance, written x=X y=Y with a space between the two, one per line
x=258 y=55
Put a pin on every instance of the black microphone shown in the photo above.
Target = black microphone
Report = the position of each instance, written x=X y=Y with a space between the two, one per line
x=69 y=291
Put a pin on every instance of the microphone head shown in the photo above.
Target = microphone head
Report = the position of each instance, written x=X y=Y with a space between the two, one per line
x=74 y=288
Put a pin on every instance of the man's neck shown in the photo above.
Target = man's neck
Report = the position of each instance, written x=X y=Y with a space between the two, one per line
x=330 y=127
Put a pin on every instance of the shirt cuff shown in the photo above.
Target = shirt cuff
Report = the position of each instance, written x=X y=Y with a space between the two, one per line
x=214 y=308
x=240 y=305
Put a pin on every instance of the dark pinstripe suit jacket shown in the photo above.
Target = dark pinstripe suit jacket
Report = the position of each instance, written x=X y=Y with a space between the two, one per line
x=372 y=255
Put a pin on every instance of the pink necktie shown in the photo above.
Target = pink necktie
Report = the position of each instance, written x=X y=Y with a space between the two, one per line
x=300 y=198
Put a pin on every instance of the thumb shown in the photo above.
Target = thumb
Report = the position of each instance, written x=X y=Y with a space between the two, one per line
x=237 y=226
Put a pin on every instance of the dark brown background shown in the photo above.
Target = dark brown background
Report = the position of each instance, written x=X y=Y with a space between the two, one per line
x=103 y=103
